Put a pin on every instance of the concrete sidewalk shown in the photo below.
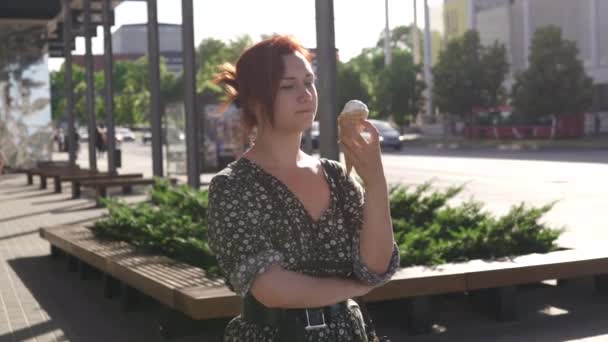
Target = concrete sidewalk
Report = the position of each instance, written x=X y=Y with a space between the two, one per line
x=41 y=301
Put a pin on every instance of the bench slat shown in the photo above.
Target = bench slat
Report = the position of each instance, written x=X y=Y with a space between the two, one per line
x=156 y=276
x=535 y=268
x=83 y=177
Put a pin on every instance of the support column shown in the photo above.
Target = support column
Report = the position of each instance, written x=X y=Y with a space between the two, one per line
x=472 y=15
x=69 y=92
x=428 y=77
x=109 y=85
x=387 y=38
x=327 y=75
x=153 y=63
x=193 y=146
x=594 y=33
x=90 y=85
x=527 y=33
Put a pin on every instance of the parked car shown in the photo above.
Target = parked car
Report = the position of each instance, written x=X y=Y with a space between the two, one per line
x=173 y=135
x=123 y=134
x=389 y=134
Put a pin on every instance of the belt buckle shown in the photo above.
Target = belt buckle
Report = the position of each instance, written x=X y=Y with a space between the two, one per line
x=315 y=325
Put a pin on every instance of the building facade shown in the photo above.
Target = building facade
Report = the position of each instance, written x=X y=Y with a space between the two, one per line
x=130 y=42
x=513 y=23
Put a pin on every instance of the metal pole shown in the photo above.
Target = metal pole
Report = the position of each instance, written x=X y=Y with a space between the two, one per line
x=415 y=36
x=327 y=74
x=192 y=137
x=69 y=99
x=594 y=33
x=428 y=77
x=153 y=63
x=387 y=37
x=109 y=85
x=90 y=85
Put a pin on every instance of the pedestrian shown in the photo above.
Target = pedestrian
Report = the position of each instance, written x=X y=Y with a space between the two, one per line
x=100 y=143
x=296 y=237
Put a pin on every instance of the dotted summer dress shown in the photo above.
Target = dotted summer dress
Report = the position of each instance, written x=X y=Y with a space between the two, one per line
x=255 y=221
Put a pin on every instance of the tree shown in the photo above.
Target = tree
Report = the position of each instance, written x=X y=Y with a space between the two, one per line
x=131 y=94
x=210 y=54
x=351 y=85
x=495 y=67
x=555 y=83
x=402 y=37
x=394 y=91
x=468 y=75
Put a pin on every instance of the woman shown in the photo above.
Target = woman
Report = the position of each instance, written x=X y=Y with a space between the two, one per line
x=295 y=236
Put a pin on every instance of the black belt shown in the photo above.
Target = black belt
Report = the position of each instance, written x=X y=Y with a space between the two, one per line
x=290 y=319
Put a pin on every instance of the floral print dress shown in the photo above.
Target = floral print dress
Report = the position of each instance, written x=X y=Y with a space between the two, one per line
x=255 y=221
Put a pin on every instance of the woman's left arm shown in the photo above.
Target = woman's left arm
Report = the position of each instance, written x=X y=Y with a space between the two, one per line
x=378 y=251
x=377 y=229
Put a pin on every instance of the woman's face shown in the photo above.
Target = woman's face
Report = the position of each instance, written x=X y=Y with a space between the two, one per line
x=295 y=104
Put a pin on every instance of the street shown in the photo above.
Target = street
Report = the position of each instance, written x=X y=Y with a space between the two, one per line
x=500 y=179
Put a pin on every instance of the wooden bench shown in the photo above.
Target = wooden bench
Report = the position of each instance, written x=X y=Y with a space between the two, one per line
x=181 y=288
x=201 y=298
x=37 y=171
x=58 y=173
x=101 y=185
x=77 y=179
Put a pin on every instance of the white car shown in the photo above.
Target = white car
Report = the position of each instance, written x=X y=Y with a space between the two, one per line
x=123 y=134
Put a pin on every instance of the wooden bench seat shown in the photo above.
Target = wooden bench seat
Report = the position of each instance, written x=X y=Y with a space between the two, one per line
x=76 y=179
x=36 y=171
x=58 y=173
x=101 y=185
x=186 y=288
x=180 y=287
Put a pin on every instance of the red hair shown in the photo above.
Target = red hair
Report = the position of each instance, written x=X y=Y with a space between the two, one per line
x=253 y=84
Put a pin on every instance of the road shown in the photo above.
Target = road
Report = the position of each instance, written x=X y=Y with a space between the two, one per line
x=577 y=179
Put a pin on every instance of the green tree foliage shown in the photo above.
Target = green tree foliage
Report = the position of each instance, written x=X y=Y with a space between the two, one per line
x=555 y=82
x=351 y=85
x=394 y=91
x=210 y=54
x=468 y=74
x=131 y=92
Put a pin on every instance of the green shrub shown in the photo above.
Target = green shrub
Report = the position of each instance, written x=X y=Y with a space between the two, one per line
x=173 y=223
x=429 y=231
x=427 y=228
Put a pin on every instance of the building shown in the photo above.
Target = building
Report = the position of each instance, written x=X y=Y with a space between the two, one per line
x=513 y=23
x=130 y=42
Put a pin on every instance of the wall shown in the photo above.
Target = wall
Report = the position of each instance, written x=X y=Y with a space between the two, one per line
x=25 y=112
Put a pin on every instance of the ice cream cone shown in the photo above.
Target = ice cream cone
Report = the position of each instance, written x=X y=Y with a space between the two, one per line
x=350 y=122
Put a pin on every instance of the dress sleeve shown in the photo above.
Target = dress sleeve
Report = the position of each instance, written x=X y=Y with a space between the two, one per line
x=354 y=200
x=237 y=234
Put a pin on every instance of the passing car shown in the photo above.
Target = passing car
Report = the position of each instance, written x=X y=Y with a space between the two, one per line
x=123 y=134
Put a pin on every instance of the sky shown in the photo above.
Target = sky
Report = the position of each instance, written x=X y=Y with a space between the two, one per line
x=358 y=23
